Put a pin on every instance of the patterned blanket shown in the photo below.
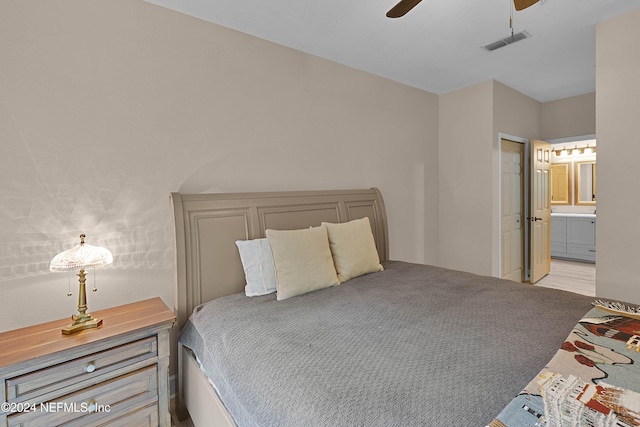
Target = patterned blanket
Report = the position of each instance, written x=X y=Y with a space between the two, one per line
x=593 y=380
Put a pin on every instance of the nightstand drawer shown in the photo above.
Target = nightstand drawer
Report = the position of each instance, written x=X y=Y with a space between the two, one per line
x=111 y=400
x=28 y=387
x=145 y=417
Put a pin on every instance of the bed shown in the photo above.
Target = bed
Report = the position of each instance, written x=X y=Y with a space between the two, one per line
x=403 y=345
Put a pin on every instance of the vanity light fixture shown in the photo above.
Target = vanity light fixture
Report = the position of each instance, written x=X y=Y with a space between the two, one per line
x=574 y=152
x=588 y=150
x=81 y=257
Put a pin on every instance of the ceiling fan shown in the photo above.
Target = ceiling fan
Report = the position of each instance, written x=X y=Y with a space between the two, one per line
x=405 y=6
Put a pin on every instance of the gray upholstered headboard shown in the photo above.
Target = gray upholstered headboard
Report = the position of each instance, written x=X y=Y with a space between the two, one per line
x=207 y=225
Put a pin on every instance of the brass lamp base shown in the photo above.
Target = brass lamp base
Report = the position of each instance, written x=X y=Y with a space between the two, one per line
x=82 y=320
x=80 y=326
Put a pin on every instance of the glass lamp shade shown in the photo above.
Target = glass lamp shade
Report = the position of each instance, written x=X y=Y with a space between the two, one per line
x=80 y=257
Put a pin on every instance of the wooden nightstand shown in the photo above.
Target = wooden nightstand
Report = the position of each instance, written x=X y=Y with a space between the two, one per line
x=116 y=375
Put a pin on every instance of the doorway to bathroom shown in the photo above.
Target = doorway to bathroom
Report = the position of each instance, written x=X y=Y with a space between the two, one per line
x=573 y=215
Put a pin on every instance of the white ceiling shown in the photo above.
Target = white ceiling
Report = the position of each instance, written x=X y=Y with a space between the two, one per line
x=437 y=45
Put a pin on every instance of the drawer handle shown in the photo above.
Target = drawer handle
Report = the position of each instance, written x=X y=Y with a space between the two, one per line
x=91 y=366
x=592 y=250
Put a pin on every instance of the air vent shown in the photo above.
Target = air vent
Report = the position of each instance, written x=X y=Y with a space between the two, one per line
x=507 y=41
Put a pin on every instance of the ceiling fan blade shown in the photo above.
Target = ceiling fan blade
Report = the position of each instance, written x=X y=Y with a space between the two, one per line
x=401 y=8
x=523 y=4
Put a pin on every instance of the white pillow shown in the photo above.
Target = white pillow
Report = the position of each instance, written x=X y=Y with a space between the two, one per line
x=353 y=248
x=259 y=270
x=303 y=260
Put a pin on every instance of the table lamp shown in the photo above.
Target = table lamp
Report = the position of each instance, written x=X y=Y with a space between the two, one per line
x=80 y=257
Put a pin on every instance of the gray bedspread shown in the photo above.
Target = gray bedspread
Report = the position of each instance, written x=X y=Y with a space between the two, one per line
x=413 y=345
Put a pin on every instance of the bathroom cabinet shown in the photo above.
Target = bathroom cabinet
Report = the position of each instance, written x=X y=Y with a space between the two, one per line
x=573 y=236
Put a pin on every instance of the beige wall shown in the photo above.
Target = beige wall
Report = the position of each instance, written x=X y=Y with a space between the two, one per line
x=107 y=107
x=465 y=166
x=471 y=122
x=568 y=117
x=618 y=133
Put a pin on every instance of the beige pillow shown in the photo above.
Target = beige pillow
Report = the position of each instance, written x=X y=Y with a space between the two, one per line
x=303 y=261
x=353 y=248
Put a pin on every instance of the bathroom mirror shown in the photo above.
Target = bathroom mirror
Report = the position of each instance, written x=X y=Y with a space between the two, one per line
x=560 y=184
x=585 y=176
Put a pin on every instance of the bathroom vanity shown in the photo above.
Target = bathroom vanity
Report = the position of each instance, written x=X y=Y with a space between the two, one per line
x=573 y=236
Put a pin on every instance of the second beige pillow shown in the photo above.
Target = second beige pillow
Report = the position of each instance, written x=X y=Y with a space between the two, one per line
x=353 y=248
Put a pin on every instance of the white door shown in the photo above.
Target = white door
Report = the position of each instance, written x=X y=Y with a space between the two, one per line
x=511 y=217
x=540 y=207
